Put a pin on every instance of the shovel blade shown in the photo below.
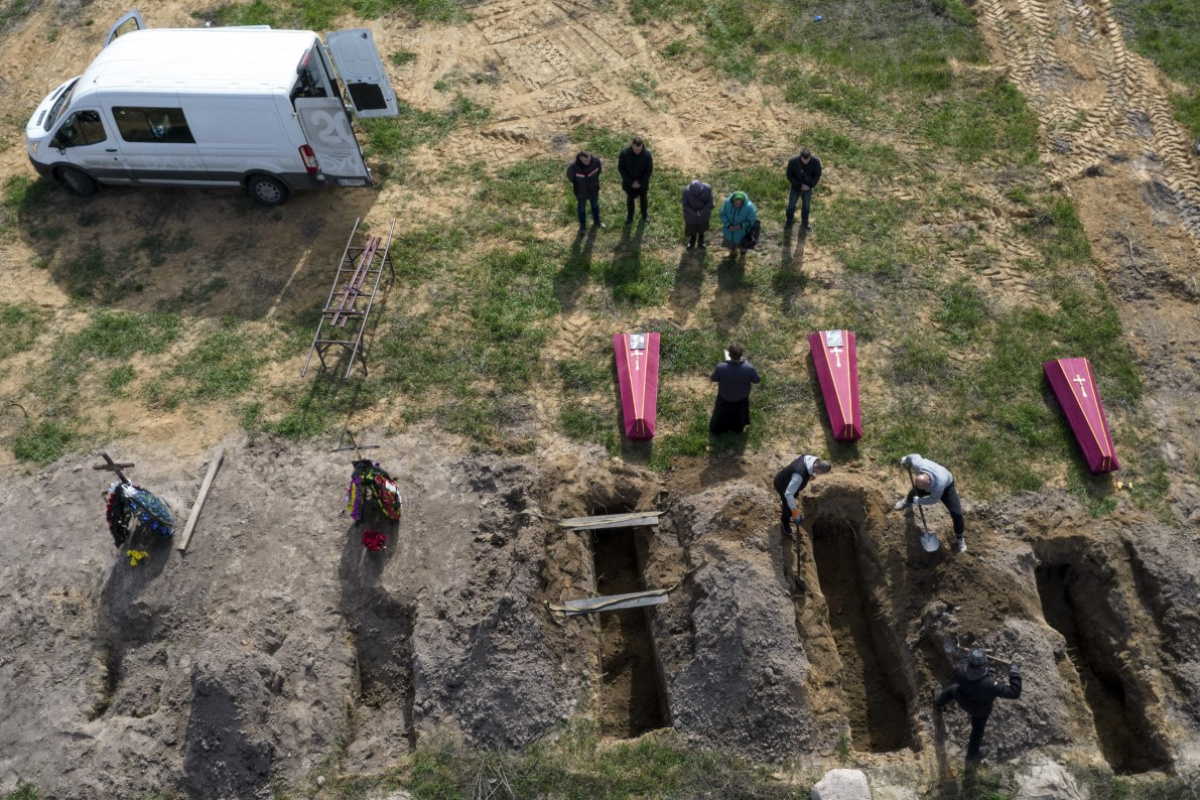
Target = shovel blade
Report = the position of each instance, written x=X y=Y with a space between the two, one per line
x=930 y=542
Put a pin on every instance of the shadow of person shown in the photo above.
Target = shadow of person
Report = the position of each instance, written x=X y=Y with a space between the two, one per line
x=729 y=304
x=569 y=281
x=689 y=280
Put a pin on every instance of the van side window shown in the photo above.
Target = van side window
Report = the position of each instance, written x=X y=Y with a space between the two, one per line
x=166 y=125
x=81 y=128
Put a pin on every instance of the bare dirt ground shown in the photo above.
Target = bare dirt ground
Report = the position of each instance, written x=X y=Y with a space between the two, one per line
x=277 y=648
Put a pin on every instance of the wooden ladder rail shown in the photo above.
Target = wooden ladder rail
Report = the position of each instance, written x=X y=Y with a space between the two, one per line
x=353 y=287
x=385 y=260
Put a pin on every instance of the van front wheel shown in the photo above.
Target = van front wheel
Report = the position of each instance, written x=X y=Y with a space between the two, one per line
x=267 y=191
x=78 y=182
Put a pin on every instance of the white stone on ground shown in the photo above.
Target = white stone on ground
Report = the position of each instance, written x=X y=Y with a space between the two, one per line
x=842 y=784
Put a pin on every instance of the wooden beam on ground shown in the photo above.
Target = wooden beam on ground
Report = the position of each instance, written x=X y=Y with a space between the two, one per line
x=613 y=602
x=186 y=536
x=635 y=519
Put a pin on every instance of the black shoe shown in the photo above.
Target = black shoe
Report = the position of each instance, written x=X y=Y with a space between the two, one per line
x=702 y=245
x=806 y=227
x=691 y=245
x=645 y=217
x=582 y=227
x=629 y=220
x=598 y=224
x=980 y=756
x=787 y=223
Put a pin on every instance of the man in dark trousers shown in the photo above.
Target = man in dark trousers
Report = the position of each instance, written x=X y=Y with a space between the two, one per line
x=789 y=482
x=803 y=173
x=975 y=689
x=584 y=176
x=933 y=483
x=733 y=378
x=636 y=165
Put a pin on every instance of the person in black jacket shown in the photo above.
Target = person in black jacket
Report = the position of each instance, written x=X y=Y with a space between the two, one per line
x=636 y=165
x=803 y=173
x=733 y=378
x=975 y=689
x=790 y=482
x=584 y=176
x=697 y=210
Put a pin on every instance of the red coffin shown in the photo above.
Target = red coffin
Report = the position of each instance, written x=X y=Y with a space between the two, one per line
x=1075 y=387
x=637 y=374
x=836 y=359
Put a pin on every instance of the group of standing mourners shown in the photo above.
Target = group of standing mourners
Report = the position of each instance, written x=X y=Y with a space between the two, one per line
x=974 y=688
x=738 y=215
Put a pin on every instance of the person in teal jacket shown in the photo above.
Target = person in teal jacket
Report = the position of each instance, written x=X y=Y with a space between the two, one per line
x=737 y=217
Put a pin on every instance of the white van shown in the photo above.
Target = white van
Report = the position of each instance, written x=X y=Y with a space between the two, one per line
x=250 y=107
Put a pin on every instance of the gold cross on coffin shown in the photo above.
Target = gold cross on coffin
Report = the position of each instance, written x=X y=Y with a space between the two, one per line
x=1081 y=381
x=112 y=466
x=837 y=353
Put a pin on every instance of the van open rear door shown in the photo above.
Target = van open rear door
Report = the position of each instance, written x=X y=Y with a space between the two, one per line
x=131 y=21
x=357 y=60
x=326 y=127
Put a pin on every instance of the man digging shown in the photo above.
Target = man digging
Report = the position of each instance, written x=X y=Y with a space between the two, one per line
x=933 y=483
x=789 y=482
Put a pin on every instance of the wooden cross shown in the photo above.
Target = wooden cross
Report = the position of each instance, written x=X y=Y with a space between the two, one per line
x=837 y=353
x=112 y=466
x=1081 y=381
x=355 y=446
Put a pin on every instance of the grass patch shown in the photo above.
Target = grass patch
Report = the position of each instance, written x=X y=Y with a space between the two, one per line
x=1168 y=33
x=117 y=335
x=974 y=123
x=319 y=15
x=394 y=138
x=222 y=365
x=43 y=442
x=22 y=202
x=20 y=325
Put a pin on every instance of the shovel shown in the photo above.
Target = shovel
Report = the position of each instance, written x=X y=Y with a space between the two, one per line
x=954 y=650
x=929 y=541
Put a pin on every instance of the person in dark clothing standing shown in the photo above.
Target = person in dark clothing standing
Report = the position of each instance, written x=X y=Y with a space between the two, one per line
x=636 y=165
x=584 y=176
x=789 y=482
x=803 y=173
x=975 y=689
x=697 y=210
x=733 y=378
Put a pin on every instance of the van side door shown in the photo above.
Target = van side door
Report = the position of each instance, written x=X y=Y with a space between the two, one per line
x=83 y=140
x=357 y=61
x=157 y=141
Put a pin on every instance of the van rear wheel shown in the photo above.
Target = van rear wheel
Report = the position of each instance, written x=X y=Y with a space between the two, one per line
x=267 y=191
x=78 y=182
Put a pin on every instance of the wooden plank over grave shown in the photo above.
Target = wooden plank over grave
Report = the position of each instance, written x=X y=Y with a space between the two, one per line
x=635 y=519
x=613 y=602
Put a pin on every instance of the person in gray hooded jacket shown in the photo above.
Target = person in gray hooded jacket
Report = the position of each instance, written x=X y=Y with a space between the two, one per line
x=933 y=483
x=697 y=210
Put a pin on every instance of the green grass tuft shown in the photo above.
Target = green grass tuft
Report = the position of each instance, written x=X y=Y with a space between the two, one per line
x=44 y=442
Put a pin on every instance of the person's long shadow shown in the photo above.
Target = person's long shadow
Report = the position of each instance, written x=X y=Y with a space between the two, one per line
x=570 y=280
x=625 y=268
x=790 y=281
x=733 y=293
x=689 y=280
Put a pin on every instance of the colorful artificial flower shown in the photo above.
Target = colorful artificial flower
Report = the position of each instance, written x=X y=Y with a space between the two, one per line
x=374 y=540
x=372 y=483
x=126 y=503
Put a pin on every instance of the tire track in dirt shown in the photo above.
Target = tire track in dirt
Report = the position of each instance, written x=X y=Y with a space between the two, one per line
x=547 y=67
x=1096 y=101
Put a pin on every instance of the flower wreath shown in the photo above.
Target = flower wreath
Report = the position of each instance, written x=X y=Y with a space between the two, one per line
x=371 y=482
x=127 y=504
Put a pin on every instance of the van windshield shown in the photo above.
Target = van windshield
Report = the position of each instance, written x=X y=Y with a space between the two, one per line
x=61 y=103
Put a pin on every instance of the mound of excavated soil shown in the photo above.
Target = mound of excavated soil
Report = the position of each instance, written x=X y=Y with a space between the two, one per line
x=277 y=642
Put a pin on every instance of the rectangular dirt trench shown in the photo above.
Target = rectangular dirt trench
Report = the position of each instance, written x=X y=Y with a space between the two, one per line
x=1073 y=607
x=876 y=709
x=632 y=695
